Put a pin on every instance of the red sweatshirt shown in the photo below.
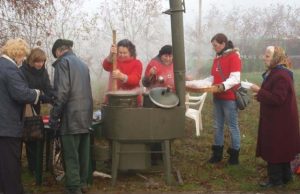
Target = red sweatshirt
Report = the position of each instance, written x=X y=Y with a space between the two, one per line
x=229 y=62
x=132 y=68
x=166 y=71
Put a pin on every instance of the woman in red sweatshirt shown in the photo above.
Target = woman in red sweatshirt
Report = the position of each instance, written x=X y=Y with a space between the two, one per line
x=159 y=72
x=129 y=69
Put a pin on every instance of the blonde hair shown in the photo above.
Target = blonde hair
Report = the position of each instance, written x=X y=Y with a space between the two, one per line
x=36 y=55
x=15 y=48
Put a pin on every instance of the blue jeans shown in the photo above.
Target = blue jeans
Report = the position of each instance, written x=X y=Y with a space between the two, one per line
x=226 y=110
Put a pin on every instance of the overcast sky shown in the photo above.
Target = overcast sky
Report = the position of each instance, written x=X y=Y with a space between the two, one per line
x=226 y=5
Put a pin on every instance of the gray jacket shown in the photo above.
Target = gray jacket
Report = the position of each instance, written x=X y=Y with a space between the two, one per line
x=14 y=93
x=73 y=102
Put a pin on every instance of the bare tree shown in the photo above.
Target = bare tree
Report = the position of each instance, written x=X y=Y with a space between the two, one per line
x=27 y=19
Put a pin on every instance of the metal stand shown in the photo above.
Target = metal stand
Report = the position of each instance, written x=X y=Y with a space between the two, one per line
x=116 y=151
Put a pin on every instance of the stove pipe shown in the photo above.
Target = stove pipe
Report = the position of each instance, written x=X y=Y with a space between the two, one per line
x=177 y=7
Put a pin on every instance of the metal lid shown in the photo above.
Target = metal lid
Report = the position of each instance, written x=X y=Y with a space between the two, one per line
x=163 y=97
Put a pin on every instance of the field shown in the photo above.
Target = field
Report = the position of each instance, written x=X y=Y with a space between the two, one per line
x=189 y=157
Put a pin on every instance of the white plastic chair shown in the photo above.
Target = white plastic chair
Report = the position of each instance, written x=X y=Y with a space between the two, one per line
x=195 y=114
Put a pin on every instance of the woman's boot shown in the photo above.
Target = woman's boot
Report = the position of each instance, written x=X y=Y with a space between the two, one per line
x=217 y=154
x=233 y=156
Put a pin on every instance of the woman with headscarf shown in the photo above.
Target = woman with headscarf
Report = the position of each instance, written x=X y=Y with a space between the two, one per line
x=278 y=134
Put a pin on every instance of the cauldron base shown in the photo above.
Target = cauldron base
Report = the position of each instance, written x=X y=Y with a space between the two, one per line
x=117 y=149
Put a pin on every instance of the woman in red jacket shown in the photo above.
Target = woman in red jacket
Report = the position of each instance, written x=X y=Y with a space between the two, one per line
x=159 y=72
x=225 y=76
x=278 y=134
x=129 y=69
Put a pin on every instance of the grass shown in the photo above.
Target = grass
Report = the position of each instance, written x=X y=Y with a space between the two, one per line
x=190 y=155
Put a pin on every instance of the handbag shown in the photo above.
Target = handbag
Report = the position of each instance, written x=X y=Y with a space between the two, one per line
x=241 y=94
x=242 y=98
x=33 y=128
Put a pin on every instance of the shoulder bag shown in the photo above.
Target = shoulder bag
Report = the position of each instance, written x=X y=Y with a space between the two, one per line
x=242 y=98
x=33 y=125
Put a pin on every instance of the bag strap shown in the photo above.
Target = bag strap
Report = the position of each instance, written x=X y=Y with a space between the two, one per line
x=220 y=70
x=33 y=111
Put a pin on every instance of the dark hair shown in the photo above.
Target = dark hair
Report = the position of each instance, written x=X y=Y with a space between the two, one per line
x=61 y=44
x=129 y=45
x=222 y=38
x=36 y=55
x=167 y=49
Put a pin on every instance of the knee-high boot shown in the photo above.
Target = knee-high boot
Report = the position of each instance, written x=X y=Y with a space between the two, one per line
x=233 y=156
x=217 y=154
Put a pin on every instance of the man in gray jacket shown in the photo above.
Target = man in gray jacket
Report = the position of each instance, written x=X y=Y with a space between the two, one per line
x=72 y=113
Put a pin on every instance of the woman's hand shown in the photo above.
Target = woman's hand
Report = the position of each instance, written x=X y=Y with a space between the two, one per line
x=255 y=88
x=117 y=74
x=153 y=71
x=218 y=88
x=113 y=50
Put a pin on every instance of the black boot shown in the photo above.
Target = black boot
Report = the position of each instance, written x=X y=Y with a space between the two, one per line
x=233 y=156
x=275 y=176
x=217 y=154
x=287 y=175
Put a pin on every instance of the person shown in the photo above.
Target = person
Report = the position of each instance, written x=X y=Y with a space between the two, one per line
x=37 y=77
x=14 y=94
x=159 y=72
x=128 y=70
x=72 y=114
x=225 y=77
x=278 y=140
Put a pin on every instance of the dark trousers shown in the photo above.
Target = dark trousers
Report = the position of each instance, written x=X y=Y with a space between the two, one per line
x=76 y=154
x=279 y=173
x=10 y=165
x=31 y=151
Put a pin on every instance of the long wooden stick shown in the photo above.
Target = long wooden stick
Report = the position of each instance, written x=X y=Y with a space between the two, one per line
x=114 y=60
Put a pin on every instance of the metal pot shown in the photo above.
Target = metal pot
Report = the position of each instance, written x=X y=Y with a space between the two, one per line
x=122 y=99
x=147 y=103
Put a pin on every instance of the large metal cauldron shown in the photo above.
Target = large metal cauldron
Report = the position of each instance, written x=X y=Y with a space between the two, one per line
x=122 y=98
x=144 y=124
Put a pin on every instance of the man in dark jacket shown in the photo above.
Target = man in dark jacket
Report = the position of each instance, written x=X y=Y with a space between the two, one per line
x=14 y=93
x=72 y=113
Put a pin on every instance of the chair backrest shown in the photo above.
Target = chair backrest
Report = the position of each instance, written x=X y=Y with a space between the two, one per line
x=195 y=100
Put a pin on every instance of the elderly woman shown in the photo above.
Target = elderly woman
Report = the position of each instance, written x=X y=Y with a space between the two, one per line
x=278 y=133
x=37 y=77
x=14 y=94
x=159 y=72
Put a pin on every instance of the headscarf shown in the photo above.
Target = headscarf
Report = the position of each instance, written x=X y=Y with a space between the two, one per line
x=280 y=58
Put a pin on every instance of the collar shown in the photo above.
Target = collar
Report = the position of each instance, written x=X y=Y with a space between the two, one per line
x=10 y=59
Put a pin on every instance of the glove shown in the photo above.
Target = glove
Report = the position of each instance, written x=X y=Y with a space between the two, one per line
x=146 y=82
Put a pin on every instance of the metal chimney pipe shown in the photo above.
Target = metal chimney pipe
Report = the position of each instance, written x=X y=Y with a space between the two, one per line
x=176 y=9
